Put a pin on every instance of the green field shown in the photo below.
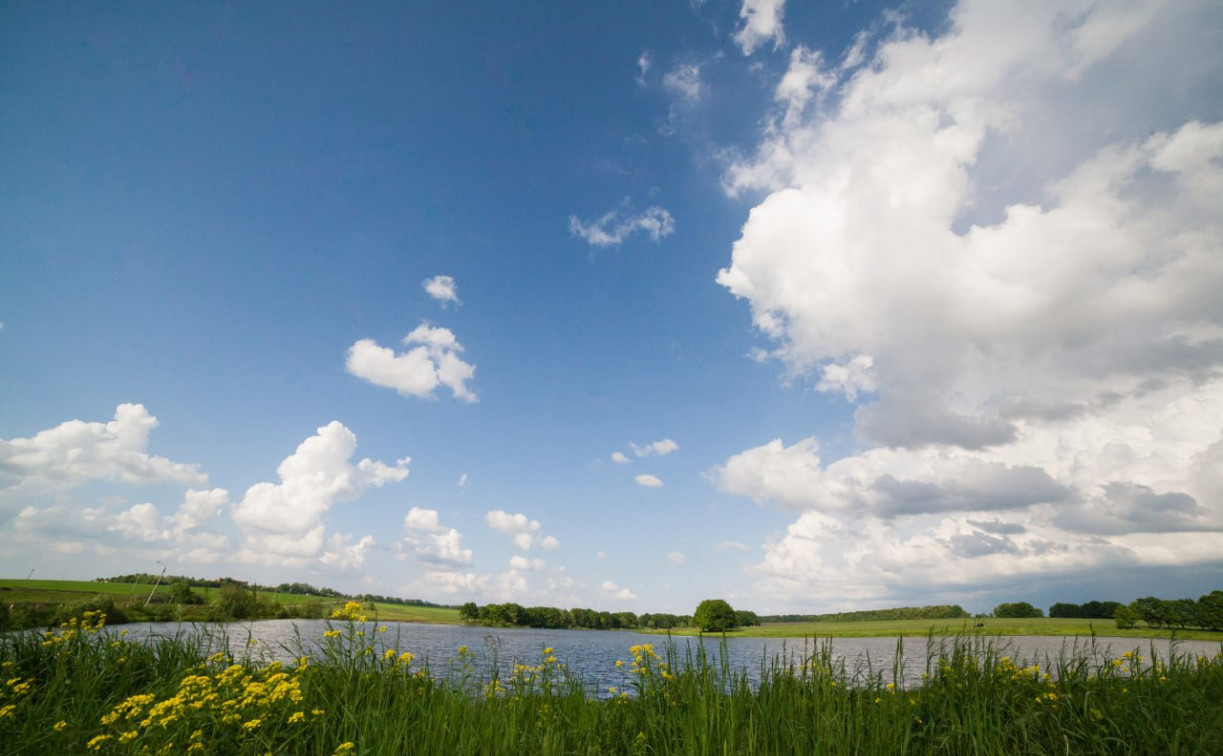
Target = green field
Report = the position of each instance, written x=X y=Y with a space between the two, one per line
x=132 y=597
x=967 y=627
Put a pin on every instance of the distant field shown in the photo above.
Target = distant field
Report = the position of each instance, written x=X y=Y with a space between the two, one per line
x=910 y=628
x=17 y=591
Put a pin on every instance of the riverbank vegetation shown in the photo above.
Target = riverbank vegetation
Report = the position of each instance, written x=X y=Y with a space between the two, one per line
x=358 y=690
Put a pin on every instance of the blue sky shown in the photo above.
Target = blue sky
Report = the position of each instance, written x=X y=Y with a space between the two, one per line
x=625 y=305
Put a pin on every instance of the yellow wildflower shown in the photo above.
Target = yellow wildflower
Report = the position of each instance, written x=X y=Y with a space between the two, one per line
x=129 y=736
x=7 y=711
x=345 y=747
x=252 y=724
x=297 y=716
x=60 y=726
x=331 y=634
x=97 y=743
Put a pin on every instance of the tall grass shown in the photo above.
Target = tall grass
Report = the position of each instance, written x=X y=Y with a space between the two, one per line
x=78 y=690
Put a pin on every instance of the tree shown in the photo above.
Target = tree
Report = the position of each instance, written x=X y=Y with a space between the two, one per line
x=1125 y=617
x=714 y=616
x=469 y=612
x=1066 y=610
x=1017 y=610
x=181 y=593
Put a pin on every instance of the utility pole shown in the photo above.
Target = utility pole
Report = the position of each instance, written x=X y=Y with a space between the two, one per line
x=159 y=577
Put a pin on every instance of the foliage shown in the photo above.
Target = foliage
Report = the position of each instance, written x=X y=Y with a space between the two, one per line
x=80 y=690
x=1206 y=612
x=515 y=615
x=941 y=611
x=714 y=616
x=1017 y=610
x=1125 y=617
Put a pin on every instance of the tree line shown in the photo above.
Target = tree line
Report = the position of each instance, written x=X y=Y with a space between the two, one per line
x=515 y=615
x=940 y=611
x=1205 y=613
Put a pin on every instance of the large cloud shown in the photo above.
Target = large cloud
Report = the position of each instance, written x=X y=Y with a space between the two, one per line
x=78 y=452
x=432 y=360
x=283 y=522
x=979 y=239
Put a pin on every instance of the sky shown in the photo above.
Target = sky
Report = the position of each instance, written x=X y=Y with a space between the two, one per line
x=808 y=306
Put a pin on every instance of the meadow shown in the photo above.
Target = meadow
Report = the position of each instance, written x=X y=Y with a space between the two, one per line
x=82 y=689
x=130 y=599
x=948 y=628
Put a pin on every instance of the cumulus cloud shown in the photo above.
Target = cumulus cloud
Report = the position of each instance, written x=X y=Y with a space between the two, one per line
x=442 y=288
x=77 y=452
x=1002 y=243
x=759 y=21
x=523 y=564
x=341 y=553
x=431 y=360
x=657 y=448
x=619 y=458
x=432 y=542
x=283 y=522
x=649 y=481
x=612 y=228
x=521 y=529
x=611 y=590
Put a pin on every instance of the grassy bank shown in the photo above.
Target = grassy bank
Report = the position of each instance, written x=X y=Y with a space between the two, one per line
x=944 y=628
x=47 y=602
x=80 y=691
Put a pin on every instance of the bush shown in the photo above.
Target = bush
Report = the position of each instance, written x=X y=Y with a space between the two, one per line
x=714 y=616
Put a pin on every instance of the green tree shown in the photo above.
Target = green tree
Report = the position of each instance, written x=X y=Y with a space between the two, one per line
x=714 y=616
x=181 y=593
x=469 y=612
x=1017 y=610
x=1125 y=617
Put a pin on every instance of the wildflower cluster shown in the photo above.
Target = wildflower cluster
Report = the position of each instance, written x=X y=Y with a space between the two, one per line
x=226 y=701
x=351 y=611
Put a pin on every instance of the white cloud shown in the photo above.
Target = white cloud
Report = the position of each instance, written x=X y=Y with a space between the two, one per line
x=614 y=227
x=432 y=542
x=283 y=522
x=77 y=452
x=611 y=590
x=659 y=448
x=441 y=288
x=676 y=557
x=643 y=68
x=433 y=362
x=463 y=481
x=341 y=553
x=522 y=530
x=523 y=564
x=684 y=81
x=760 y=21
x=426 y=520
x=619 y=458
x=732 y=546
x=649 y=481
x=981 y=239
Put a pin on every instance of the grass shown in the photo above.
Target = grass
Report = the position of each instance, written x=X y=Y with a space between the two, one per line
x=131 y=597
x=990 y=627
x=78 y=690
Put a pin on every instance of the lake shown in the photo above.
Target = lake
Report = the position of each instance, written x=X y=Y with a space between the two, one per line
x=592 y=654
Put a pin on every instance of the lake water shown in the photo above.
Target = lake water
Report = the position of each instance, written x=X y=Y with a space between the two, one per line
x=592 y=654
